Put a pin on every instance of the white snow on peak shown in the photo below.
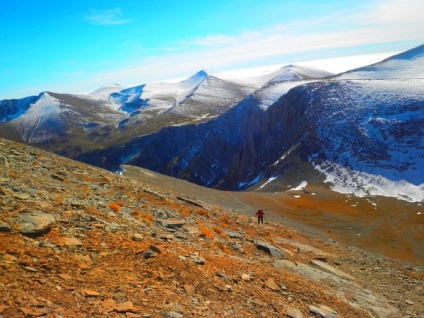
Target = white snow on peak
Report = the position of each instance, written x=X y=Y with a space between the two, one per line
x=407 y=65
x=169 y=93
x=44 y=108
x=106 y=90
x=196 y=79
x=295 y=72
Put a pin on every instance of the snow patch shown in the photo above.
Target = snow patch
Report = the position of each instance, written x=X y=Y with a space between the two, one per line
x=362 y=184
x=268 y=181
x=300 y=187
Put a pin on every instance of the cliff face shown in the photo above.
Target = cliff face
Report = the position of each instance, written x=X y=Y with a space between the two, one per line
x=231 y=151
x=13 y=108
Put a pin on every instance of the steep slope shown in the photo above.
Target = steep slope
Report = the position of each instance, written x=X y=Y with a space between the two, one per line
x=79 y=241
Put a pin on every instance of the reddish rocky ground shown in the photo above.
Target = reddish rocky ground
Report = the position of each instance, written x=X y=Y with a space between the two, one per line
x=77 y=241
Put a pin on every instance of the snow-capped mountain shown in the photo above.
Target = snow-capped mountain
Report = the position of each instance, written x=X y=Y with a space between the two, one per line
x=115 y=114
x=359 y=131
x=362 y=136
x=42 y=119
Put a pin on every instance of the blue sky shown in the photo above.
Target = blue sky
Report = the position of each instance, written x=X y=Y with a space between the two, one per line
x=75 y=46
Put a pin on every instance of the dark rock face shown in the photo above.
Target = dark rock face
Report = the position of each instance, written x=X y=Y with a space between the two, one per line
x=231 y=151
x=352 y=124
x=13 y=108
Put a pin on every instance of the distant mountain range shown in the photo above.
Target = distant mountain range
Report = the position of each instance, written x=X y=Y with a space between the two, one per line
x=360 y=131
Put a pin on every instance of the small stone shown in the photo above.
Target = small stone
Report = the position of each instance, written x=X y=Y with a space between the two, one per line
x=137 y=237
x=155 y=249
x=323 y=311
x=245 y=277
x=166 y=237
x=9 y=257
x=34 y=312
x=270 y=283
x=148 y=254
x=65 y=276
x=35 y=223
x=90 y=293
x=31 y=269
x=4 y=228
x=293 y=312
x=189 y=289
x=72 y=241
x=173 y=224
x=172 y=314
x=78 y=205
x=259 y=302
x=270 y=249
x=222 y=275
x=125 y=307
x=108 y=303
x=21 y=196
x=409 y=302
x=199 y=260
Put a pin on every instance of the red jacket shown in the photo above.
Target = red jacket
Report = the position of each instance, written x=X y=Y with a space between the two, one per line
x=260 y=214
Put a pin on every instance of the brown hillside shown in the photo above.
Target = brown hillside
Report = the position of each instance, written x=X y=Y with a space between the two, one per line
x=77 y=241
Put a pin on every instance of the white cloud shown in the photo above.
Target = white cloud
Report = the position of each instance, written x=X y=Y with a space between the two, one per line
x=394 y=11
x=106 y=17
x=379 y=22
x=212 y=40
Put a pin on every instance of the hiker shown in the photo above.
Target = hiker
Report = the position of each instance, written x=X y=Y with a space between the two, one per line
x=260 y=214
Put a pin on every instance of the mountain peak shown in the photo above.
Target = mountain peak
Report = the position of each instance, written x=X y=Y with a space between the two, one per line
x=197 y=78
x=201 y=75
x=293 y=72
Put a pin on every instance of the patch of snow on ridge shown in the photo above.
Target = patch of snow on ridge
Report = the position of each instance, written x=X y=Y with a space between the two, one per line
x=268 y=181
x=363 y=184
x=300 y=187
x=43 y=109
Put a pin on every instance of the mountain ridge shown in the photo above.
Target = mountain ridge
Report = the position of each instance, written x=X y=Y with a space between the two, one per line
x=358 y=129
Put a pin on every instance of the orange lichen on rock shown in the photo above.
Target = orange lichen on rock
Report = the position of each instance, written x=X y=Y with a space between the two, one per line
x=115 y=207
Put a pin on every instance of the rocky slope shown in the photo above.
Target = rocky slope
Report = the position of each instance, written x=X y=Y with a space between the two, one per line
x=78 y=241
